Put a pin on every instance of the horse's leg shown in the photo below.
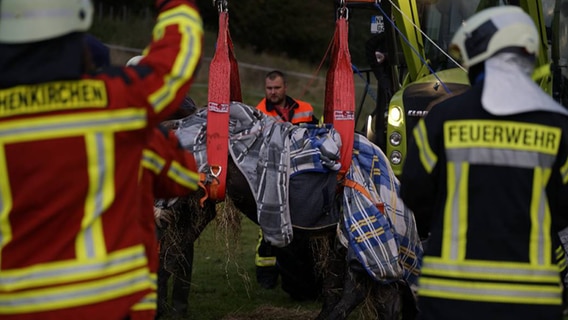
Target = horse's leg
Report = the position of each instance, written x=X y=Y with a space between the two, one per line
x=409 y=309
x=333 y=276
x=177 y=248
x=239 y=191
x=182 y=281
x=357 y=284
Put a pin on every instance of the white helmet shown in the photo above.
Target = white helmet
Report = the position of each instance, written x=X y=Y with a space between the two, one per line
x=134 y=60
x=24 y=21
x=492 y=30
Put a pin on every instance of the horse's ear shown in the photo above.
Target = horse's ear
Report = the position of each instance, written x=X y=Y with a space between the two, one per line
x=186 y=108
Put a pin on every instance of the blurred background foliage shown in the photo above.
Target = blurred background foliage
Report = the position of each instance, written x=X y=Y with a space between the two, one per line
x=295 y=29
x=293 y=36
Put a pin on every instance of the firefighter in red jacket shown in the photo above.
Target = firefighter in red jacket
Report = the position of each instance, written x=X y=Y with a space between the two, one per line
x=70 y=150
x=168 y=171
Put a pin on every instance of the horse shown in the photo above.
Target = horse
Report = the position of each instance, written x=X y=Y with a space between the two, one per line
x=345 y=282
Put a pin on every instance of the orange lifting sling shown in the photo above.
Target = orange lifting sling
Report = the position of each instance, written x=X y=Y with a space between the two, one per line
x=224 y=87
x=339 y=104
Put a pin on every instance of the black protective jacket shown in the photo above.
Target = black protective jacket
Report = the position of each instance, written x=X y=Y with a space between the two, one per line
x=491 y=192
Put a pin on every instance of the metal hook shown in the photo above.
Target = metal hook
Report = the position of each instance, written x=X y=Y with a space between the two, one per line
x=343 y=12
x=222 y=5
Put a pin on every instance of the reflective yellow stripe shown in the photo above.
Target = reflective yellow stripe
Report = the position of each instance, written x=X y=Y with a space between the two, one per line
x=74 y=295
x=540 y=246
x=149 y=302
x=463 y=200
x=491 y=292
x=490 y=270
x=264 y=261
x=90 y=241
x=451 y=218
x=564 y=172
x=152 y=161
x=183 y=176
x=561 y=257
x=191 y=30
x=53 y=273
x=5 y=203
x=70 y=125
x=427 y=156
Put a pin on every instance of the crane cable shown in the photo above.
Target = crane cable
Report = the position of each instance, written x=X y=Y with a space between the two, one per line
x=426 y=36
x=378 y=6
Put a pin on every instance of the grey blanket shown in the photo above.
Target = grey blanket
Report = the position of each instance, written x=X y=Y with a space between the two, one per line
x=268 y=153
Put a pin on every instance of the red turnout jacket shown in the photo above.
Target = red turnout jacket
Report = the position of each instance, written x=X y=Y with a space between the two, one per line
x=168 y=171
x=70 y=153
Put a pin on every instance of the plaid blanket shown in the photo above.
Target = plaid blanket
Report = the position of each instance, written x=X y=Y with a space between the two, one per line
x=269 y=152
x=387 y=245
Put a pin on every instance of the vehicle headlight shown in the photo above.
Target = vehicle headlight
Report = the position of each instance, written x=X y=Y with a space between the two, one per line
x=395 y=116
x=396 y=157
x=395 y=138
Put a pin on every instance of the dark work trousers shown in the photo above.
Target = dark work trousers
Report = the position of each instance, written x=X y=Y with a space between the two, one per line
x=265 y=261
x=296 y=265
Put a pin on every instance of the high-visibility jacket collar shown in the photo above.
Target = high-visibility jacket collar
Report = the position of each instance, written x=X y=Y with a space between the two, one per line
x=299 y=111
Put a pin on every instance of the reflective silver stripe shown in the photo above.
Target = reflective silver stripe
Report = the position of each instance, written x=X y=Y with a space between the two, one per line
x=59 y=272
x=490 y=270
x=99 y=291
x=183 y=176
x=173 y=81
x=302 y=114
x=5 y=202
x=501 y=157
x=453 y=239
x=76 y=126
x=540 y=243
x=101 y=167
x=190 y=27
x=152 y=161
x=149 y=302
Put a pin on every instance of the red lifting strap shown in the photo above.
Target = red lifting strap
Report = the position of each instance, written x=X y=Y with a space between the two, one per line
x=224 y=87
x=339 y=101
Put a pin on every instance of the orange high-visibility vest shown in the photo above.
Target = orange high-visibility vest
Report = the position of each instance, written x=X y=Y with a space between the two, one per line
x=302 y=111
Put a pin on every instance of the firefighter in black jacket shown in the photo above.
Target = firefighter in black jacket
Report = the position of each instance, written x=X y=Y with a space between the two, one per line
x=486 y=176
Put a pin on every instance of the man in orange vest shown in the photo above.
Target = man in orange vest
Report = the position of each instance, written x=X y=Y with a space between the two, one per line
x=278 y=104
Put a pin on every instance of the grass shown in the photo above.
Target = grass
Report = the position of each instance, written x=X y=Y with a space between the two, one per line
x=223 y=283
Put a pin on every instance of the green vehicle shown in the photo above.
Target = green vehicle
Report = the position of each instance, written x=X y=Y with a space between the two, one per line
x=407 y=53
